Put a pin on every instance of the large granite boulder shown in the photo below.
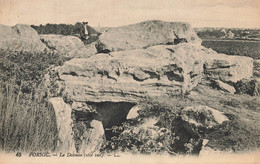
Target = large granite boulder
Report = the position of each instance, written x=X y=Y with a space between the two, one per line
x=20 y=38
x=146 y=34
x=227 y=68
x=129 y=76
x=68 y=46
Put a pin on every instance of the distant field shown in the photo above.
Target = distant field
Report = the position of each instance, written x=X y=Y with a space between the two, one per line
x=235 y=47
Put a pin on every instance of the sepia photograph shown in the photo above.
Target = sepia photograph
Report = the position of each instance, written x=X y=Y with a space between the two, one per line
x=120 y=81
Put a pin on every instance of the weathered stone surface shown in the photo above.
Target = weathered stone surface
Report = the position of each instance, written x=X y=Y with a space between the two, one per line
x=69 y=46
x=203 y=116
x=64 y=125
x=145 y=34
x=227 y=68
x=223 y=86
x=128 y=76
x=84 y=107
x=133 y=113
x=93 y=138
x=20 y=38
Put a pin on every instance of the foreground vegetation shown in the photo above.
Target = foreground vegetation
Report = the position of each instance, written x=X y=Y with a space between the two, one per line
x=27 y=124
x=27 y=121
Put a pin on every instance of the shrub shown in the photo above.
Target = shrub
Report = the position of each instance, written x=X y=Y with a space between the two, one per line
x=27 y=68
x=249 y=87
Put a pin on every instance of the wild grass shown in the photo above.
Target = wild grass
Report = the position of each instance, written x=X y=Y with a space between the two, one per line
x=26 y=124
x=27 y=120
x=241 y=133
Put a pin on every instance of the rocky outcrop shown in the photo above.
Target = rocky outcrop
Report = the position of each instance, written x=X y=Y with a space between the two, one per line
x=227 y=68
x=129 y=76
x=147 y=60
x=145 y=34
x=101 y=86
x=20 y=38
x=68 y=46
x=106 y=88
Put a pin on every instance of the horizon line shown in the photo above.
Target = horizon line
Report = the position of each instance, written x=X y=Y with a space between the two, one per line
x=97 y=26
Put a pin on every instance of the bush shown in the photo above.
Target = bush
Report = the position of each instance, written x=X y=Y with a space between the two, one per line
x=250 y=87
x=27 y=67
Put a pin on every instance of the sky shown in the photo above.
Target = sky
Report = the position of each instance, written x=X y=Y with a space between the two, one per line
x=110 y=13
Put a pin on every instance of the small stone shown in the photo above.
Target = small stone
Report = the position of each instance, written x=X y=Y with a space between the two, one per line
x=76 y=106
x=224 y=86
x=203 y=116
x=133 y=113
